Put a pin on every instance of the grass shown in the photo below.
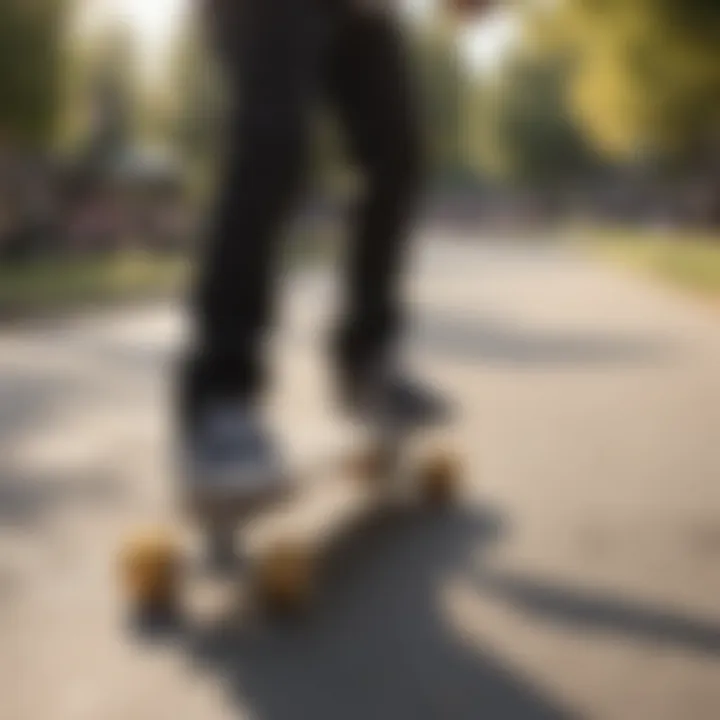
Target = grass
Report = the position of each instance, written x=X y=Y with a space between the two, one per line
x=690 y=261
x=51 y=285
x=54 y=285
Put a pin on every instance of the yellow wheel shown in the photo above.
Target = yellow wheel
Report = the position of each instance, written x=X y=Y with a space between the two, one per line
x=438 y=479
x=285 y=577
x=150 y=572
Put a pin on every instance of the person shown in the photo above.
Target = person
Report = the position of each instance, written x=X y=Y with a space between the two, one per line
x=279 y=58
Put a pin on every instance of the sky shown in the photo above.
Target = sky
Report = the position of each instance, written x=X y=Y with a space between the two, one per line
x=485 y=42
x=155 y=21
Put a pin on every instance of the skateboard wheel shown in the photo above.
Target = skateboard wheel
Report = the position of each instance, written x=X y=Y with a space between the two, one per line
x=285 y=577
x=150 y=571
x=439 y=478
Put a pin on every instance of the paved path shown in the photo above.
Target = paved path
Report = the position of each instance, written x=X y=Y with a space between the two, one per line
x=579 y=579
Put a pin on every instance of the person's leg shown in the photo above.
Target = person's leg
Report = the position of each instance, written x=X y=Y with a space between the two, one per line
x=370 y=86
x=269 y=52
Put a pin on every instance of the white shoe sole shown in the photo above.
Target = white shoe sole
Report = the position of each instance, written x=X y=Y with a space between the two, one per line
x=234 y=489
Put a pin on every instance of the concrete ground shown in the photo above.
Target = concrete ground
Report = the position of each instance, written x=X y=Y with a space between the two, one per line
x=578 y=578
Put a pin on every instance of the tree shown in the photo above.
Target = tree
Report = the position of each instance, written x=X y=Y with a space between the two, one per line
x=194 y=101
x=111 y=94
x=32 y=48
x=526 y=133
x=647 y=73
x=445 y=85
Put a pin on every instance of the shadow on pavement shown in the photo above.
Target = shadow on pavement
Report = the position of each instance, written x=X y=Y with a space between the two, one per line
x=381 y=646
x=588 y=611
x=25 y=399
x=475 y=338
x=27 y=498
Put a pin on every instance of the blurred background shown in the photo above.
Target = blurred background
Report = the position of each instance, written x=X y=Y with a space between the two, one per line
x=538 y=114
x=566 y=293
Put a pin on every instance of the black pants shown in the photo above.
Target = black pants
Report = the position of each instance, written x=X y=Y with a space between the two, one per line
x=281 y=57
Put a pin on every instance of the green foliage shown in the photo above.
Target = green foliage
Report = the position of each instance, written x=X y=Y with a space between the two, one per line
x=647 y=77
x=526 y=133
x=46 y=284
x=194 y=100
x=686 y=260
x=31 y=69
x=112 y=93
x=635 y=80
x=445 y=85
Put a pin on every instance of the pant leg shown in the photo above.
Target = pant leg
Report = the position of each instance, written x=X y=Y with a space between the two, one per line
x=370 y=86
x=270 y=51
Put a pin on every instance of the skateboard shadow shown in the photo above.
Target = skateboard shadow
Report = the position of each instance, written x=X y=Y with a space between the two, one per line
x=599 y=613
x=473 y=338
x=380 y=645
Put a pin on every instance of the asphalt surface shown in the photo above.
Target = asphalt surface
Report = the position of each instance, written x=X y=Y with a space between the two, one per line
x=578 y=577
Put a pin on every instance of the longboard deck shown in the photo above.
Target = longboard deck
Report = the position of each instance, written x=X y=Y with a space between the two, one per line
x=338 y=481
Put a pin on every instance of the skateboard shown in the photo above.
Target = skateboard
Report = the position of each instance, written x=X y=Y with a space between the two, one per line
x=282 y=561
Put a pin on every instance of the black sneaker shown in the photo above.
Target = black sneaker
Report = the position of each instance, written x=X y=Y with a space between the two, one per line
x=390 y=397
